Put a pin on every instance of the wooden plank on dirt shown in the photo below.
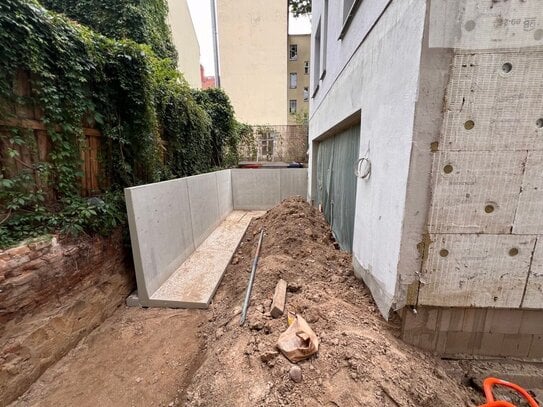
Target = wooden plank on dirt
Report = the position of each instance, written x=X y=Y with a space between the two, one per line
x=279 y=298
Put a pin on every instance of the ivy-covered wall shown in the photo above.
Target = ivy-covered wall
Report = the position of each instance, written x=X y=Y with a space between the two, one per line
x=153 y=126
x=143 y=21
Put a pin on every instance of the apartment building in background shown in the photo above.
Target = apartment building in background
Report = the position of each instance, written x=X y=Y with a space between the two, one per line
x=264 y=80
x=298 y=77
x=253 y=58
x=185 y=41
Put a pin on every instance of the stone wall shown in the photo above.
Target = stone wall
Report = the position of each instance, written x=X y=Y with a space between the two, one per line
x=52 y=294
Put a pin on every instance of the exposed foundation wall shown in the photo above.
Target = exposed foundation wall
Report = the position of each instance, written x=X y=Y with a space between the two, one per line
x=51 y=295
x=481 y=280
x=484 y=221
x=475 y=331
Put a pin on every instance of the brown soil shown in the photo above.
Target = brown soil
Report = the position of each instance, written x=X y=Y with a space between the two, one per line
x=164 y=357
x=361 y=361
x=137 y=357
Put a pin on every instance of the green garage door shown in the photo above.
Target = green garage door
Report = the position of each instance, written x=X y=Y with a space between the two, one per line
x=336 y=182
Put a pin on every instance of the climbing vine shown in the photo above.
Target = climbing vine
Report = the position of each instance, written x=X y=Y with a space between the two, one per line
x=153 y=126
x=143 y=21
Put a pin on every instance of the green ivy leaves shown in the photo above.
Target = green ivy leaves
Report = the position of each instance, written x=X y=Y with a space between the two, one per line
x=153 y=126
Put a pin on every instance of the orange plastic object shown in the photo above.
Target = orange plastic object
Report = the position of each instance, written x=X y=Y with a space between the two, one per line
x=491 y=381
x=498 y=404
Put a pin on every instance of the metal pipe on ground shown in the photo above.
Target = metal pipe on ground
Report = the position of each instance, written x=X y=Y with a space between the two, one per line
x=251 y=281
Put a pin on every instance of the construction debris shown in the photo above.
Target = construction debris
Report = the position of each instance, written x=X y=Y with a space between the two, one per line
x=279 y=299
x=358 y=351
x=299 y=341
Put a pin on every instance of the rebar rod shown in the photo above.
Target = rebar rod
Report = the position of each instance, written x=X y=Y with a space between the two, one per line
x=251 y=281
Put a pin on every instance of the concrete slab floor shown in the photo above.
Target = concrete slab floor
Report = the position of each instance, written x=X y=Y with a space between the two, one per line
x=194 y=283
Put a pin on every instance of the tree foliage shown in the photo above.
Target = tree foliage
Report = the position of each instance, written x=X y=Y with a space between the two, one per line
x=300 y=7
x=153 y=126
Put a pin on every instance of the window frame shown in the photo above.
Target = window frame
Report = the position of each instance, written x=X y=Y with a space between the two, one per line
x=317 y=57
x=348 y=17
x=295 y=106
x=307 y=68
x=290 y=82
x=295 y=57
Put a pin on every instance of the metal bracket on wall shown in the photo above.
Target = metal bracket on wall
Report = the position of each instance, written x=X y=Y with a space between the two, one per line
x=362 y=168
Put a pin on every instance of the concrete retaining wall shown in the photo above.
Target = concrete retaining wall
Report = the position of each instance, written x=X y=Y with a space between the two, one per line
x=169 y=220
x=264 y=188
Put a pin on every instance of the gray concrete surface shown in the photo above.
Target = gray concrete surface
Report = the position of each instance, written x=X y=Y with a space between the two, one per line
x=264 y=188
x=204 y=205
x=224 y=188
x=160 y=224
x=194 y=283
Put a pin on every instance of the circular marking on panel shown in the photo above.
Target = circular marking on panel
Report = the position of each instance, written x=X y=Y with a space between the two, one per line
x=470 y=124
x=470 y=25
x=507 y=67
x=513 y=252
x=448 y=169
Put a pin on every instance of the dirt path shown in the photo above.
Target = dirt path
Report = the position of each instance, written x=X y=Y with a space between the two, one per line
x=137 y=357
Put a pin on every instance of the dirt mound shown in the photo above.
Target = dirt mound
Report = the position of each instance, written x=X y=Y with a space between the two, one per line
x=361 y=361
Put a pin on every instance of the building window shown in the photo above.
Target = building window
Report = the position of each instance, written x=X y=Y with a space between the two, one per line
x=316 y=58
x=349 y=9
x=293 y=53
x=319 y=49
x=306 y=94
x=292 y=106
x=293 y=83
x=324 y=39
x=267 y=142
x=306 y=67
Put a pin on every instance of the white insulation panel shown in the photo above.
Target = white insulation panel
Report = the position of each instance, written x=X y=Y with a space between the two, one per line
x=476 y=24
x=479 y=194
x=488 y=108
x=476 y=270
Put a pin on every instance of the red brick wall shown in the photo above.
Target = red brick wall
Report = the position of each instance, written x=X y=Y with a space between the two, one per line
x=51 y=295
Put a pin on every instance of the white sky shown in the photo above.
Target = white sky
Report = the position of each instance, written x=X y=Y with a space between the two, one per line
x=200 y=11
